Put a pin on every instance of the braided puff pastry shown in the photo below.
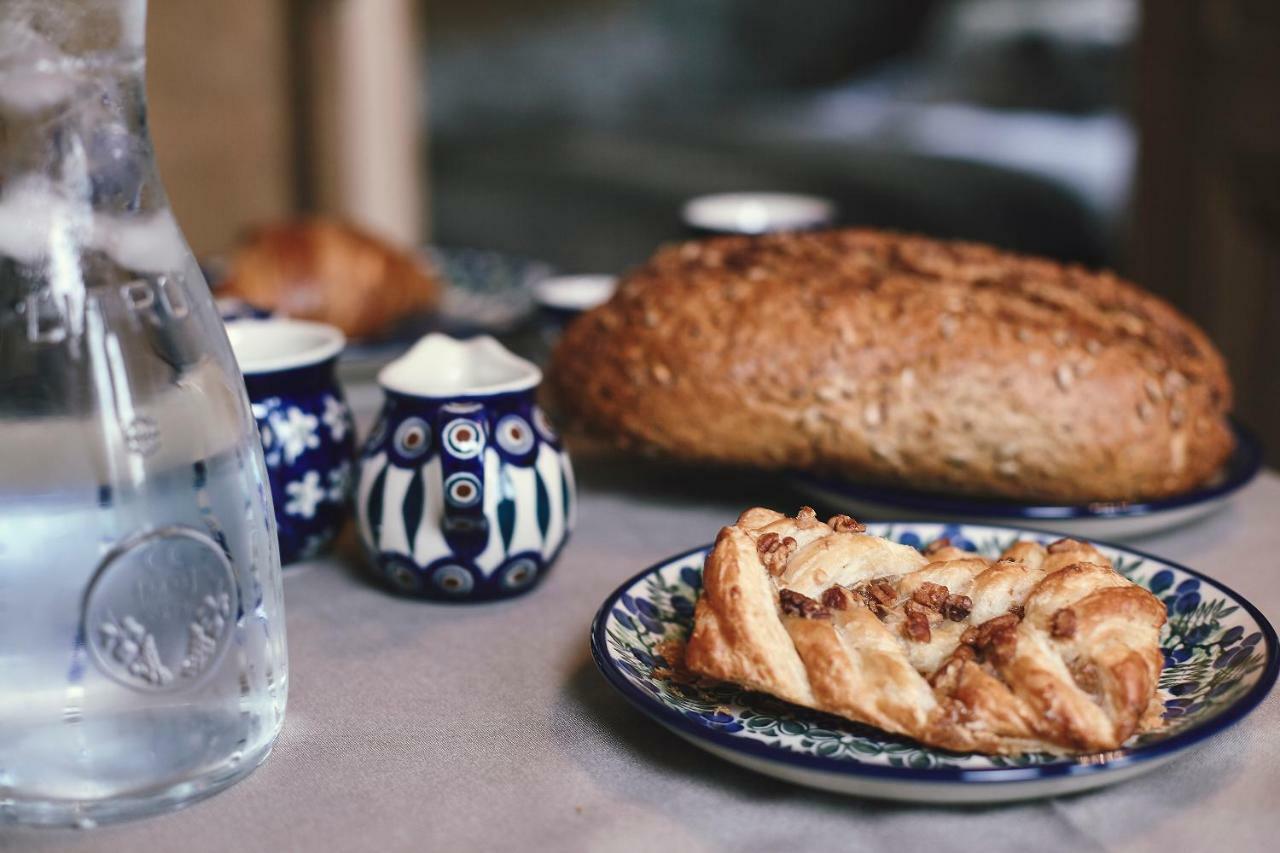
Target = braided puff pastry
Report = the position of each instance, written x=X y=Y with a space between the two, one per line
x=1046 y=649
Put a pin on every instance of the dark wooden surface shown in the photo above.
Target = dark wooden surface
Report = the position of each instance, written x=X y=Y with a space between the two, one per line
x=1207 y=216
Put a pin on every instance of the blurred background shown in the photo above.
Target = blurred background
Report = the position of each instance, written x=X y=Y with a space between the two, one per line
x=1142 y=136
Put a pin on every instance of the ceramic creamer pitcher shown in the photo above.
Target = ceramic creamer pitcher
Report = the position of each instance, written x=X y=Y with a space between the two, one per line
x=465 y=491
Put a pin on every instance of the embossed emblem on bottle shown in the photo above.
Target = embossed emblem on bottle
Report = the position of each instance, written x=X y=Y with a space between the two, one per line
x=159 y=612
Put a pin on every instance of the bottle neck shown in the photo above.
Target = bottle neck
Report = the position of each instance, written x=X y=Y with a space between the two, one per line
x=75 y=155
x=56 y=35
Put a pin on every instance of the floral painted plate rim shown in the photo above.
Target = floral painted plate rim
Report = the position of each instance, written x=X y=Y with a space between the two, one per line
x=1241 y=467
x=718 y=728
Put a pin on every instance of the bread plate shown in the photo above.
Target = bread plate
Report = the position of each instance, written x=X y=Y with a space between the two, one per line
x=1220 y=655
x=1111 y=520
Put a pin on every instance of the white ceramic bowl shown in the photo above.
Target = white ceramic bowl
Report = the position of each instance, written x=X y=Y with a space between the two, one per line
x=757 y=212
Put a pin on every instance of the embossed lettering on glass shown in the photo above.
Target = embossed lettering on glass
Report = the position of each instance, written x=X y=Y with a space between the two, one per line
x=142 y=646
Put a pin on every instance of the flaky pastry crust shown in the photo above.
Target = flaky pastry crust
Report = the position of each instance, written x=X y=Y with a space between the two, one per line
x=1046 y=649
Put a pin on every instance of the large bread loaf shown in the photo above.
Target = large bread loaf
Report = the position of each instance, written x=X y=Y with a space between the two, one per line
x=939 y=365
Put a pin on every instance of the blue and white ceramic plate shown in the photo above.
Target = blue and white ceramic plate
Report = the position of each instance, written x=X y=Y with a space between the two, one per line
x=489 y=292
x=1220 y=661
x=1117 y=520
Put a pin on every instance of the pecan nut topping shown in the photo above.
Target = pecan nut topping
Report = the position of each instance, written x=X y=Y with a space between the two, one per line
x=916 y=627
x=879 y=592
x=837 y=598
x=797 y=604
x=806 y=513
x=1007 y=621
x=846 y=524
x=997 y=638
x=937 y=545
x=931 y=595
x=957 y=607
x=1064 y=624
x=774 y=551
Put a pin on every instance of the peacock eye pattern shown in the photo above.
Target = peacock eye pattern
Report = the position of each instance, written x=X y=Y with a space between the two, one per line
x=489 y=476
x=412 y=438
x=462 y=489
x=515 y=436
x=464 y=438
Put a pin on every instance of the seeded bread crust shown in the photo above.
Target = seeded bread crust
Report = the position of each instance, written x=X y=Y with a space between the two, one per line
x=885 y=357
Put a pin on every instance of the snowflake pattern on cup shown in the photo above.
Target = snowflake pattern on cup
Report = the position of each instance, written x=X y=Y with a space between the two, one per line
x=309 y=444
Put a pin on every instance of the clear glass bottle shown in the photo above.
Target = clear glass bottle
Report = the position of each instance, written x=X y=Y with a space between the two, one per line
x=142 y=644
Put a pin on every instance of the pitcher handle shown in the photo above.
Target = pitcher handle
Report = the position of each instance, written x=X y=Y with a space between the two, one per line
x=464 y=432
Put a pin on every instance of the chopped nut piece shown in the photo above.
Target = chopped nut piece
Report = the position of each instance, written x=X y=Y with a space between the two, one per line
x=879 y=596
x=957 y=607
x=917 y=627
x=970 y=636
x=837 y=598
x=806 y=513
x=997 y=638
x=1064 y=624
x=881 y=592
x=932 y=595
x=1000 y=623
x=937 y=545
x=797 y=604
x=1017 y=611
x=775 y=551
x=846 y=524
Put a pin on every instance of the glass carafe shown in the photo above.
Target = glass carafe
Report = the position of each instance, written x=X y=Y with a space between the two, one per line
x=142 y=644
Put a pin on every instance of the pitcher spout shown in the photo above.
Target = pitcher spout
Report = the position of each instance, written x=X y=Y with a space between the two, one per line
x=441 y=367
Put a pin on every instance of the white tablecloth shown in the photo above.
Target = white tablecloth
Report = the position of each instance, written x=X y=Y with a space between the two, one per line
x=423 y=726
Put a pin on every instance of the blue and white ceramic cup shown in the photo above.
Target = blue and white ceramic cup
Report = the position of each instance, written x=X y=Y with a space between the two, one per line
x=465 y=491
x=307 y=431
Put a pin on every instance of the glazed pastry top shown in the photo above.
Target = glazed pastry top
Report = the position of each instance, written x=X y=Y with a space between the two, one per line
x=1045 y=649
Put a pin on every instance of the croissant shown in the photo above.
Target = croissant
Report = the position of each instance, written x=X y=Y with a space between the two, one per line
x=1046 y=649
x=333 y=273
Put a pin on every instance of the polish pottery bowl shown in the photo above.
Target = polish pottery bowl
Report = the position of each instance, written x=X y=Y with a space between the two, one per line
x=756 y=213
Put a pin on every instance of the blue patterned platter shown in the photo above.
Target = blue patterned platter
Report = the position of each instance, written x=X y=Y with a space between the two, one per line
x=1113 y=520
x=1220 y=661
